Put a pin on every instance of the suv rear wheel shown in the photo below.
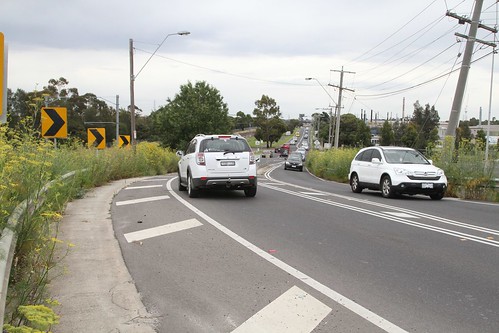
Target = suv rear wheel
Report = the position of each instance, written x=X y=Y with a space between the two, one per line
x=250 y=192
x=354 y=184
x=193 y=193
x=180 y=186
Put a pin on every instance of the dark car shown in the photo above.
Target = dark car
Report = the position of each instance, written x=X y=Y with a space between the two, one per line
x=294 y=162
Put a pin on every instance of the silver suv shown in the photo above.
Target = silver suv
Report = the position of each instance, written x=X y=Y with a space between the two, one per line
x=217 y=161
x=396 y=170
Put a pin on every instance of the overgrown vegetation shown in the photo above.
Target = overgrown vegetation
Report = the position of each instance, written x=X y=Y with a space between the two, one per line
x=27 y=164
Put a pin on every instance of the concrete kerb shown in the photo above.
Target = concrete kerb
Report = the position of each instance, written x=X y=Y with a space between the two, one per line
x=92 y=282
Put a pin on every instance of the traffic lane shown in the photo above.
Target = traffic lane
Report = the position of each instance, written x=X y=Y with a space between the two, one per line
x=416 y=278
x=478 y=213
x=198 y=279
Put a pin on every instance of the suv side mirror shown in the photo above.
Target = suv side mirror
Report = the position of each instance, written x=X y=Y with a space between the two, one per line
x=376 y=160
x=179 y=153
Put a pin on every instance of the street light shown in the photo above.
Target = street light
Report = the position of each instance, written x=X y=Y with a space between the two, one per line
x=330 y=109
x=133 y=77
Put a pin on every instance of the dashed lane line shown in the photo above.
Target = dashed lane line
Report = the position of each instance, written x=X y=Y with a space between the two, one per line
x=161 y=230
x=142 y=200
x=142 y=187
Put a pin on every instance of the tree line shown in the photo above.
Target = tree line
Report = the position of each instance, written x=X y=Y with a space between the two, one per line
x=196 y=108
x=200 y=108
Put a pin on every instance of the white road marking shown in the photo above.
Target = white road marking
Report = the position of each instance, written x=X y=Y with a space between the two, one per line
x=295 y=311
x=450 y=232
x=313 y=193
x=398 y=214
x=142 y=187
x=161 y=230
x=134 y=201
x=325 y=290
x=155 y=179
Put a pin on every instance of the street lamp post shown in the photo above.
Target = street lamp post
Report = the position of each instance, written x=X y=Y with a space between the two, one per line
x=132 y=81
x=330 y=109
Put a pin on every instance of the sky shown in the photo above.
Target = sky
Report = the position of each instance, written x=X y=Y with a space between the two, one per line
x=393 y=52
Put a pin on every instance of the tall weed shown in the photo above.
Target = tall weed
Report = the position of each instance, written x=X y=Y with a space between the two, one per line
x=27 y=164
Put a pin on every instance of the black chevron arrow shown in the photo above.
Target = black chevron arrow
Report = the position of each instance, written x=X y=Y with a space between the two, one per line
x=97 y=135
x=125 y=140
x=58 y=122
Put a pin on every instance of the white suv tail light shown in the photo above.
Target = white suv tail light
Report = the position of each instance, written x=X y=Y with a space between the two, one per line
x=200 y=160
x=251 y=158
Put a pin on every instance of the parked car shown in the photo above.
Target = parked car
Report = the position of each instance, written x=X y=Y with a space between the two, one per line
x=396 y=170
x=217 y=161
x=294 y=162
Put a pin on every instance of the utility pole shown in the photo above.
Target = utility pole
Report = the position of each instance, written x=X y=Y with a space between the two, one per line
x=117 y=119
x=132 y=97
x=465 y=66
x=338 y=106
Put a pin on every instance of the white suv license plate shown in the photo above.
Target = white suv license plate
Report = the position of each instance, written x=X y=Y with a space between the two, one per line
x=426 y=185
x=227 y=163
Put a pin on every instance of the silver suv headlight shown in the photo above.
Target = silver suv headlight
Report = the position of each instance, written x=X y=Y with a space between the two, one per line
x=402 y=171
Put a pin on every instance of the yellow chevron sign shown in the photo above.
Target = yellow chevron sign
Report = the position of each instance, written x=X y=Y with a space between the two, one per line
x=54 y=122
x=96 y=138
x=124 y=141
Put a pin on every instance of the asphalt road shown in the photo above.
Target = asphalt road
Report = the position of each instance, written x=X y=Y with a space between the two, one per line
x=306 y=255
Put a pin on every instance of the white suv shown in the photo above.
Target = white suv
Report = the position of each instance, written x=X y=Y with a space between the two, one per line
x=217 y=161
x=396 y=170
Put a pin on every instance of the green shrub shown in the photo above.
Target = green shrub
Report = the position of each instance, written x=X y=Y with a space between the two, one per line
x=332 y=164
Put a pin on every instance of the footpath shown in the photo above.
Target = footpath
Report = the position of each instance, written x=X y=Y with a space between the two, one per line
x=92 y=283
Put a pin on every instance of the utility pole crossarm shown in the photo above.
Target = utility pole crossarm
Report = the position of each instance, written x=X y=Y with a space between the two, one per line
x=465 y=65
x=463 y=20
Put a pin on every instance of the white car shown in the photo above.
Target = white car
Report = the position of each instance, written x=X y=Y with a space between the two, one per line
x=396 y=170
x=217 y=161
x=303 y=152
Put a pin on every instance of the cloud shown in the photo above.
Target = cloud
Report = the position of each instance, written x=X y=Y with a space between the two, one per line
x=246 y=49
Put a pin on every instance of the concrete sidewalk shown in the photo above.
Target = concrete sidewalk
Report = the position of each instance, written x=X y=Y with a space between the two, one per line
x=92 y=283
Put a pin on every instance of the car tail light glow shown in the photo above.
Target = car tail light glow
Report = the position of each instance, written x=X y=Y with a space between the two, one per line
x=200 y=160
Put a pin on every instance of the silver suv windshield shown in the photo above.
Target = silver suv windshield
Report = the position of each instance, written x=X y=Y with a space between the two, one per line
x=232 y=145
x=404 y=156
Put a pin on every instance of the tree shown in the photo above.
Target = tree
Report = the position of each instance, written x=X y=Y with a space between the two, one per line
x=399 y=129
x=410 y=135
x=268 y=120
x=387 y=134
x=426 y=125
x=353 y=132
x=242 y=120
x=196 y=109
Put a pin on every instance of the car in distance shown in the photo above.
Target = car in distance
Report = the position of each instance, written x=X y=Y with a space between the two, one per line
x=294 y=162
x=217 y=161
x=303 y=152
x=396 y=170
